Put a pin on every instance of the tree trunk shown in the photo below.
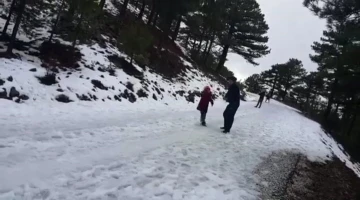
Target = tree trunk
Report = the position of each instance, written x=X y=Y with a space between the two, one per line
x=193 y=44
x=274 y=85
x=201 y=41
x=77 y=29
x=136 y=4
x=330 y=99
x=124 y=8
x=142 y=10
x=287 y=85
x=71 y=11
x=207 y=51
x=57 y=20
x=9 y=17
x=177 y=28
x=16 y=27
x=352 y=122
x=166 y=24
x=187 y=41
x=152 y=13
x=156 y=17
x=226 y=48
x=223 y=57
x=206 y=46
x=102 y=4
x=337 y=108
x=131 y=59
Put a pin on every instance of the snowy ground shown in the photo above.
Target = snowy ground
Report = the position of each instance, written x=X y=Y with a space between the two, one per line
x=84 y=151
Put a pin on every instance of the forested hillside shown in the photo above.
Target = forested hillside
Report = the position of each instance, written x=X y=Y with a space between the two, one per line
x=182 y=41
x=331 y=94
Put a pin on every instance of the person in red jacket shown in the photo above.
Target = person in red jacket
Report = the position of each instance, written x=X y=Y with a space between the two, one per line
x=206 y=98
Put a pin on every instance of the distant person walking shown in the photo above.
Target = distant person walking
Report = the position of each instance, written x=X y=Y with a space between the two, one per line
x=268 y=96
x=206 y=98
x=233 y=98
x=261 y=99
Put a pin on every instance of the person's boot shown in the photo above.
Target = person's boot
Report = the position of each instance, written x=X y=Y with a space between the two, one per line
x=226 y=131
x=203 y=123
x=222 y=128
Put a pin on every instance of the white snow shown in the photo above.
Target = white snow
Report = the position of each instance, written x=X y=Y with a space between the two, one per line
x=145 y=151
x=153 y=150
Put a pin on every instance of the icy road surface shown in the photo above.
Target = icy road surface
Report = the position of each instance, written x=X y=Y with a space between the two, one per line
x=151 y=152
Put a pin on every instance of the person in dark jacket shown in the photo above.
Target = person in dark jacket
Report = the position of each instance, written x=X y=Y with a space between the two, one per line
x=261 y=99
x=268 y=96
x=206 y=98
x=233 y=98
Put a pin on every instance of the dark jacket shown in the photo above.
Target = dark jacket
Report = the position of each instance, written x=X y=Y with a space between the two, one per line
x=233 y=94
x=262 y=94
x=206 y=98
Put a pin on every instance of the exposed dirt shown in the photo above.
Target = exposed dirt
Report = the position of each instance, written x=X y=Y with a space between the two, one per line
x=125 y=66
x=59 y=55
x=291 y=176
x=323 y=181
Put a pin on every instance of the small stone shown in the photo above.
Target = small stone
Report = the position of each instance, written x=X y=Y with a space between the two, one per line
x=155 y=97
x=3 y=94
x=10 y=78
x=14 y=93
x=24 y=97
x=33 y=70
x=63 y=98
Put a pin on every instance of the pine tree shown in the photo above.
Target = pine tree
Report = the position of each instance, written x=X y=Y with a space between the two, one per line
x=20 y=12
x=102 y=4
x=290 y=75
x=8 y=19
x=142 y=10
x=58 y=15
x=246 y=29
x=124 y=8
x=253 y=83
x=85 y=13
x=136 y=41
x=271 y=78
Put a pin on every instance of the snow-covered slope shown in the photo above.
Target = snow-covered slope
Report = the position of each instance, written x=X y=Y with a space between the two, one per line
x=96 y=78
x=94 y=82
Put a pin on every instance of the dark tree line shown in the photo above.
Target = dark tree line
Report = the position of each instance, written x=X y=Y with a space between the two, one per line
x=330 y=95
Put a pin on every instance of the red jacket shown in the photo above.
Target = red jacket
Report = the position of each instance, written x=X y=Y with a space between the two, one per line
x=206 y=98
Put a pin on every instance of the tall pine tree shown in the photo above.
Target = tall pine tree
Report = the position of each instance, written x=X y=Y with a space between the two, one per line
x=245 y=31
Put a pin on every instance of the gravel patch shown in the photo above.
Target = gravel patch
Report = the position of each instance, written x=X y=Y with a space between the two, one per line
x=275 y=173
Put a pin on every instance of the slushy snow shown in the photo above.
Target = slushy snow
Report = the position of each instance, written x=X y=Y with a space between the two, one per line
x=110 y=151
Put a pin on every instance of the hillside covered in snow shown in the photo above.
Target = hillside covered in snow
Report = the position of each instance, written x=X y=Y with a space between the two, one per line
x=41 y=70
x=98 y=102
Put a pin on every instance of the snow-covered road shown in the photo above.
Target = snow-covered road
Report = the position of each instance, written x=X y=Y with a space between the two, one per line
x=84 y=152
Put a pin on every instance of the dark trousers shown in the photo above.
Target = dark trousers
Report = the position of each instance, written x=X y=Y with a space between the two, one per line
x=229 y=115
x=202 y=116
x=259 y=103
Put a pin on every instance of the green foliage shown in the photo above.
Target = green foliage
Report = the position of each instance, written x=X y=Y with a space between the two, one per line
x=245 y=31
x=253 y=83
x=136 y=41
x=84 y=15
